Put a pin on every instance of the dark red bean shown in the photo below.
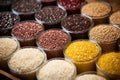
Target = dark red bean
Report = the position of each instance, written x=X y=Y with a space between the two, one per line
x=72 y=6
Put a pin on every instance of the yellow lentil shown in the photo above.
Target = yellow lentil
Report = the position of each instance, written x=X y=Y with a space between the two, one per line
x=83 y=53
x=82 y=50
x=110 y=63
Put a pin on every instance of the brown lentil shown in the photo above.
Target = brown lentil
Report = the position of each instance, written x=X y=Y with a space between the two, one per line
x=114 y=3
x=115 y=18
x=105 y=33
x=106 y=36
x=96 y=9
x=27 y=31
x=99 y=11
x=53 y=41
x=50 y=15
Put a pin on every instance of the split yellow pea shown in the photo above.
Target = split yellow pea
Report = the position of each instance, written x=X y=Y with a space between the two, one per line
x=110 y=64
x=83 y=53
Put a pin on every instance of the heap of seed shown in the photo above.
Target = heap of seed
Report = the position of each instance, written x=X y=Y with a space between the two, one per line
x=110 y=63
x=96 y=9
x=27 y=29
x=7 y=20
x=7 y=46
x=90 y=77
x=76 y=22
x=26 y=6
x=51 y=14
x=26 y=60
x=104 y=33
x=53 y=38
x=82 y=50
x=115 y=18
x=56 y=70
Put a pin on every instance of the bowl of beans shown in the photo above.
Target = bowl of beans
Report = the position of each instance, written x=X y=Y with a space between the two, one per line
x=26 y=32
x=109 y=64
x=51 y=16
x=7 y=22
x=53 y=42
x=77 y=25
x=99 y=11
x=71 y=6
x=83 y=53
x=106 y=35
x=26 y=8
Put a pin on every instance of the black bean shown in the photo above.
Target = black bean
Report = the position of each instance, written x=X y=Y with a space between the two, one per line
x=7 y=20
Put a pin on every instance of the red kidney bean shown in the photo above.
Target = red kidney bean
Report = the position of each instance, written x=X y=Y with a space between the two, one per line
x=72 y=6
x=50 y=16
x=26 y=32
x=53 y=41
